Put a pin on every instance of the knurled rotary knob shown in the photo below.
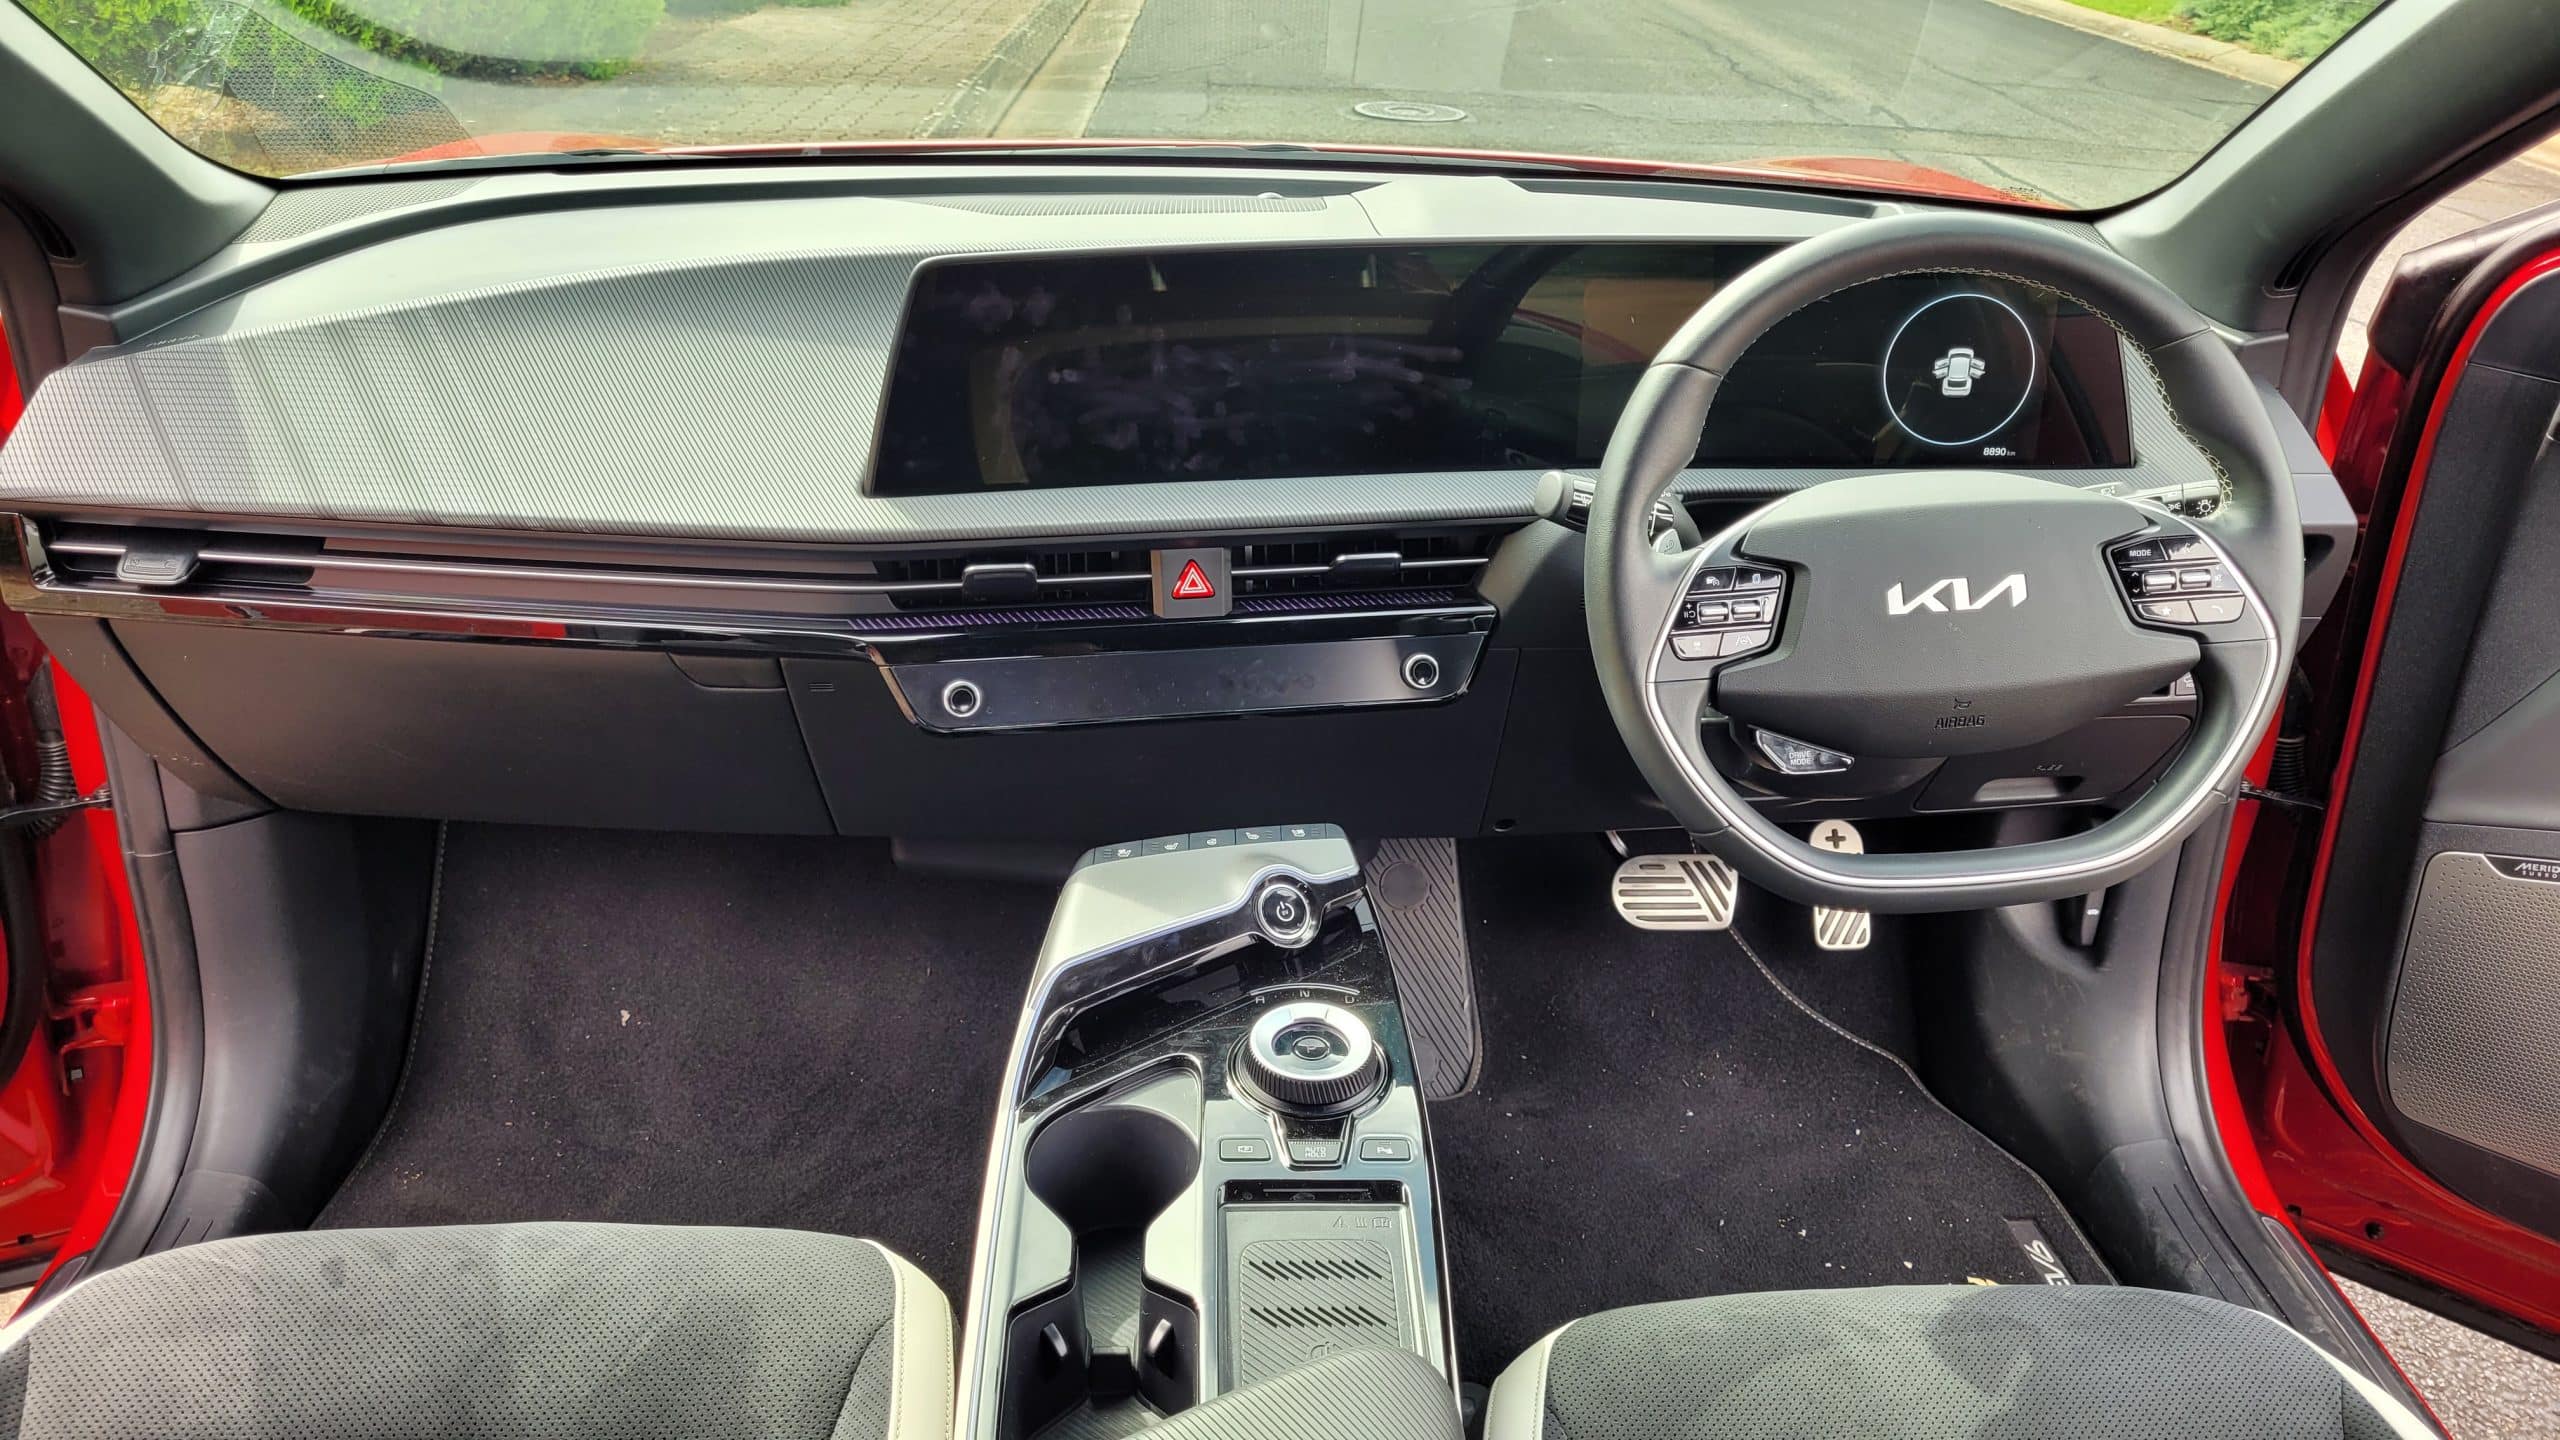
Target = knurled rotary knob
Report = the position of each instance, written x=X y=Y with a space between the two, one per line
x=1310 y=1058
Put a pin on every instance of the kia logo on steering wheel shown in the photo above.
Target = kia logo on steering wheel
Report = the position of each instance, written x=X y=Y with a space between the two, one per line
x=1959 y=592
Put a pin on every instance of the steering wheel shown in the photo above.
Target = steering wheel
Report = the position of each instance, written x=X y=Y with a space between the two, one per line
x=1889 y=622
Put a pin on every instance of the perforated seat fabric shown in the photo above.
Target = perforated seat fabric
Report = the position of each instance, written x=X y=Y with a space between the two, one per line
x=491 y=1331
x=1938 y=1363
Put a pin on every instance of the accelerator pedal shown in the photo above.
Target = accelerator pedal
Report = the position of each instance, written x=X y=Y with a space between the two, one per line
x=1414 y=885
x=1841 y=929
x=1675 y=892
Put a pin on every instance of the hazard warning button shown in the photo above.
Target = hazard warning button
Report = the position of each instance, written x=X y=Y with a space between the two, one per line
x=1190 y=583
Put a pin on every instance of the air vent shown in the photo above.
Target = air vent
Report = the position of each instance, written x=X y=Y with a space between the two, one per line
x=250 y=567
x=998 y=579
x=1362 y=562
x=1366 y=566
x=1015 y=586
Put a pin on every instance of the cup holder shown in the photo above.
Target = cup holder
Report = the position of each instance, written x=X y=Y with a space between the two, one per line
x=1106 y=1170
x=1110 y=1167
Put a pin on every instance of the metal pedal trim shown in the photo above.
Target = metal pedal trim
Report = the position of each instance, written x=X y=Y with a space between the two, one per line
x=1675 y=892
x=1840 y=929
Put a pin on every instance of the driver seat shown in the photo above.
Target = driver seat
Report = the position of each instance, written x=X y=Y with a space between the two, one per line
x=1939 y=1362
x=489 y=1332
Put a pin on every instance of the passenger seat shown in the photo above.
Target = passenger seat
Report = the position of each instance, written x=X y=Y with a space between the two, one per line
x=1929 y=1362
x=579 y=1330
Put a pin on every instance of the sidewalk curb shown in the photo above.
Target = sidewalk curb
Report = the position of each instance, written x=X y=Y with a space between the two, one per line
x=981 y=100
x=2236 y=61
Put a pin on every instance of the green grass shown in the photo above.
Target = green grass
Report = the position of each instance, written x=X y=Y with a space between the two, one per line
x=2292 y=29
x=2158 y=12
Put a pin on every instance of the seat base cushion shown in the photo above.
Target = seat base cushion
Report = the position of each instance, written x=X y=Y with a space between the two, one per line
x=1922 y=1362
x=491 y=1330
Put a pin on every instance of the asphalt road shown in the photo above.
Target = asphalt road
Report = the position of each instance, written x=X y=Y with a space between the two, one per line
x=1965 y=86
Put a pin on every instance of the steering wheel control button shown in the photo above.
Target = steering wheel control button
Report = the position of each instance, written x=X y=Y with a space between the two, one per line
x=1244 y=1148
x=2165 y=584
x=1308 y=1058
x=1389 y=1148
x=1717 y=620
x=1959 y=370
x=1796 y=757
x=1286 y=917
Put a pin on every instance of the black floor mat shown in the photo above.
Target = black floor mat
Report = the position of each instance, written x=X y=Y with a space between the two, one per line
x=1656 y=1121
x=705 y=1030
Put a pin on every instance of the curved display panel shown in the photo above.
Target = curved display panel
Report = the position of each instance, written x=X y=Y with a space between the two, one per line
x=1228 y=364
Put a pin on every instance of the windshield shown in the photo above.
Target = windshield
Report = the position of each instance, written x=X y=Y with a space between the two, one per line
x=2070 y=103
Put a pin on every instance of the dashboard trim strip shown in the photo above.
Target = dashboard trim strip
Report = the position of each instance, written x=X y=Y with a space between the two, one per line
x=489 y=570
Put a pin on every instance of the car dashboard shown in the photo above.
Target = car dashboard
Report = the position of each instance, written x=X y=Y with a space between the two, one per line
x=955 y=505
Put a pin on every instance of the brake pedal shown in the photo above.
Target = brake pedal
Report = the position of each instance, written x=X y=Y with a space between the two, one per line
x=1675 y=892
x=1841 y=929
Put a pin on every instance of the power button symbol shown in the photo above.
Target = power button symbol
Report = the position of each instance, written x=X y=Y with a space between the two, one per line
x=1285 y=915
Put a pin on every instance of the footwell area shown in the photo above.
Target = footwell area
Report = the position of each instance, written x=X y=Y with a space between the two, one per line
x=1656 y=1120
x=705 y=1030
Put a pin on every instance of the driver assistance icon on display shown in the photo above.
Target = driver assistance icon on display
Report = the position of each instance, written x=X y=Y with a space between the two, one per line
x=1957 y=370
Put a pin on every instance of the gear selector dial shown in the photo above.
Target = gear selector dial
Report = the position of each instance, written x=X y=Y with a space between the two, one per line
x=1310 y=1059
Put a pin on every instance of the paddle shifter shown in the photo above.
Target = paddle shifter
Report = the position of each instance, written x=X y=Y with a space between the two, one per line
x=1310 y=1059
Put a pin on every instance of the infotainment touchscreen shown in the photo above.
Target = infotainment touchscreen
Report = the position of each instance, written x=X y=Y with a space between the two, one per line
x=1241 y=364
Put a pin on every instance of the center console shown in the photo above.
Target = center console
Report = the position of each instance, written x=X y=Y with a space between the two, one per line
x=1210 y=1164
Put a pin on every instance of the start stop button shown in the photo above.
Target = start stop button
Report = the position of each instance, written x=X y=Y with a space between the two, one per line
x=1284 y=914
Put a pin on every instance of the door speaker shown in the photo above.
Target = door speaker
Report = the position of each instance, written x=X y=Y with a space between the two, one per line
x=2473 y=1049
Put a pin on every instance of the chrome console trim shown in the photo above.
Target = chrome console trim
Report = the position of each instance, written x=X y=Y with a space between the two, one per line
x=1118 y=924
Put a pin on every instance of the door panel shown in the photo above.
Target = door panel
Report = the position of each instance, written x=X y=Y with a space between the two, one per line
x=2427 y=997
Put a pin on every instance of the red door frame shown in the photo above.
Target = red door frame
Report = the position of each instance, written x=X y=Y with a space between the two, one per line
x=72 y=1111
x=2345 y=1185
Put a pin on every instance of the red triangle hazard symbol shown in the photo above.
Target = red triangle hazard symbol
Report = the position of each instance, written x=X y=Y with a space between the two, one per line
x=1193 y=583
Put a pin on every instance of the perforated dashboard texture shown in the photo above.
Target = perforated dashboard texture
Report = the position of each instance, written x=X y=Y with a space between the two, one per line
x=718 y=372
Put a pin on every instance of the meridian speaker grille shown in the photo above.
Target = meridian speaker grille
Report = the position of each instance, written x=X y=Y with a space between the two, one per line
x=2474 y=1046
